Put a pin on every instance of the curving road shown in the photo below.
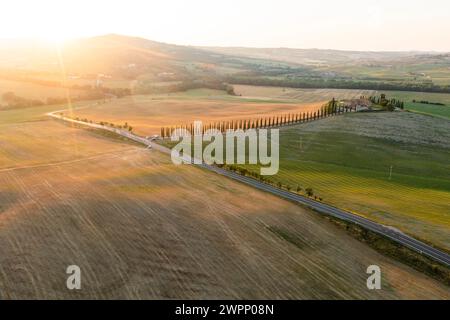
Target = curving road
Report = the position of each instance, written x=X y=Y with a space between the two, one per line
x=390 y=233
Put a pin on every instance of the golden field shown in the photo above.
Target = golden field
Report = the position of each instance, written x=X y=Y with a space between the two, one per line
x=148 y=113
x=140 y=227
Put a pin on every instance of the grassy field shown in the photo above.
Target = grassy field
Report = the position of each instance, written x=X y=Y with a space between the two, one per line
x=147 y=113
x=347 y=161
x=395 y=71
x=434 y=110
x=301 y=95
x=24 y=139
x=140 y=227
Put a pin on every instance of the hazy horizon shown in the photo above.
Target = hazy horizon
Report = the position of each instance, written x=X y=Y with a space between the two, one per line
x=324 y=24
x=41 y=40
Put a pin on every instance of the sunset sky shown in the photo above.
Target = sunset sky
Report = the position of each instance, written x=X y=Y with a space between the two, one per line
x=346 y=24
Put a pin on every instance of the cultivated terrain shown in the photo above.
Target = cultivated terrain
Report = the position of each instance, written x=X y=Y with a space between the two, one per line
x=140 y=227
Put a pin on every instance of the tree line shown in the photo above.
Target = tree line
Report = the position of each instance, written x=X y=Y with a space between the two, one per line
x=14 y=101
x=308 y=191
x=318 y=83
x=125 y=126
x=387 y=104
x=185 y=85
x=329 y=109
x=428 y=102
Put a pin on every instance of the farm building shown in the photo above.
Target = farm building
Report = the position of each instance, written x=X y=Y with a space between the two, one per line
x=361 y=104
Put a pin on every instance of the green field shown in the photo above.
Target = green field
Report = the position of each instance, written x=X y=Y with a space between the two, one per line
x=434 y=110
x=347 y=161
x=437 y=111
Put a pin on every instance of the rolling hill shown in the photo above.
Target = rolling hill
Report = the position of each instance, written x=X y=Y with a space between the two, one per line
x=109 y=54
x=124 y=57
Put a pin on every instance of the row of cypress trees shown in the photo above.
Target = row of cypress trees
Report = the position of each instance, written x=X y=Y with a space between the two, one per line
x=329 y=109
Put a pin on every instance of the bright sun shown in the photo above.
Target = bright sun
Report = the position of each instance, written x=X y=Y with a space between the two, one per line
x=55 y=37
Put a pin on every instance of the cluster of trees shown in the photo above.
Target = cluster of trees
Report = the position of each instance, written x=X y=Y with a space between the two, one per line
x=387 y=104
x=118 y=92
x=149 y=88
x=336 y=84
x=331 y=108
x=245 y=172
x=126 y=126
x=14 y=101
x=428 y=102
x=104 y=123
x=101 y=93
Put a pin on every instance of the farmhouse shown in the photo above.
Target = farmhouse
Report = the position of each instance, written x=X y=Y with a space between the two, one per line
x=361 y=104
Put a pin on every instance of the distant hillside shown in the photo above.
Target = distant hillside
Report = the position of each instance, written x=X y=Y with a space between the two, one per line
x=109 y=54
x=131 y=56
x=145 y=66
x=315 y=57
x=413 y=67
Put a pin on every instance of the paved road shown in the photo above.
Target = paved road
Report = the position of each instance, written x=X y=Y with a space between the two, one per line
x=390 y=233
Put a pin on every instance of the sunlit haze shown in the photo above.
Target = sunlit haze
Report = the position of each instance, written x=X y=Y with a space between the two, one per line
x=347 y=24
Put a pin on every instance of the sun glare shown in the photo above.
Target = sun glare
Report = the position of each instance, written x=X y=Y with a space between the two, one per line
x=55 y=38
